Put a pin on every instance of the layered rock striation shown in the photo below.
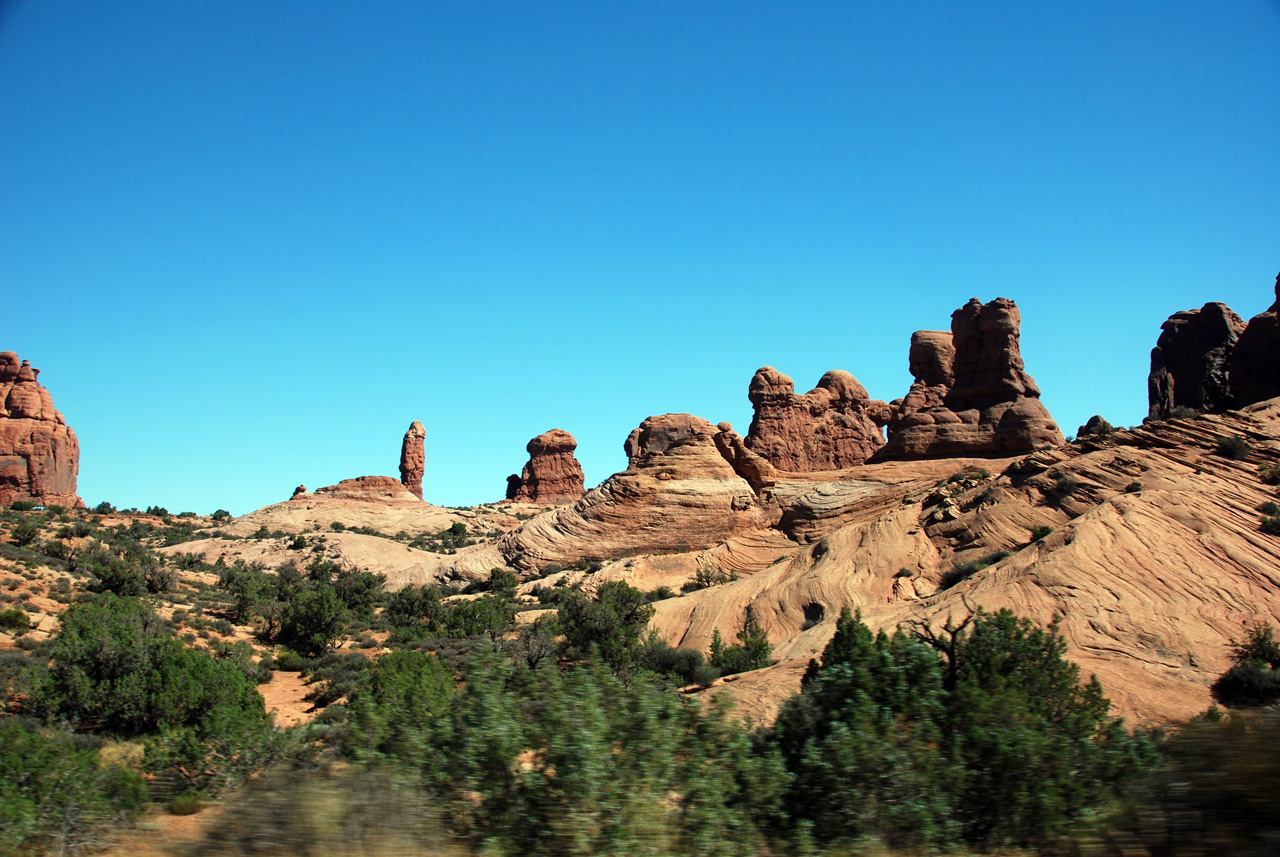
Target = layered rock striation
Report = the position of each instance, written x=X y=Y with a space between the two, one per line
x=680 y=492
x=972 y=395
x=553 y=474
x=833 y=426
x=413 y=458
x=39 y=453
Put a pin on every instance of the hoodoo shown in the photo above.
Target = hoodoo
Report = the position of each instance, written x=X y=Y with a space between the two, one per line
x=972 y=394
x=833 y=426
x=39 y=453
x=553 y=475
x=413 y=458
x=1189 y=365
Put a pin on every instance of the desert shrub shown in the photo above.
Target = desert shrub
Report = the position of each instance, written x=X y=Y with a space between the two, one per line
x=55 y=797
x=707 y=577
x=57 y=549
x=1234 y=448
x=22 y=505
x=1269 y=508
x=1040 y=531
x=996 y=743
x=964 y=570
x=221 y=515
x=1063 y=486
x=688 y=666
x=14 y=620
x=1270 y=474
x=1254 y=677
x=118 y=575
x=613 y=623
x=314 y=620
x=1270 y=525
x=24 y=533
x=187 y=803
x=1182 y=412
x=360 y=591
x=751 y=653
x=1133 y=487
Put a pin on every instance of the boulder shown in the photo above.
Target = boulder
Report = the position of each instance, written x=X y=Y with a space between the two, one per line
x=1255 y=362
x=413 y=458
x=1191 y=361
x=553 y=475
x=972 y=395
x=39 y=453
x=1095 y=425
x=833 y=426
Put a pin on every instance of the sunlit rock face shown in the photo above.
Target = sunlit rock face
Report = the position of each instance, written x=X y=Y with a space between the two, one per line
x=39 y=453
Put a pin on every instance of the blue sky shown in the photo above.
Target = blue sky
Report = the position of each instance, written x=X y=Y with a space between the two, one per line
x=248 y=242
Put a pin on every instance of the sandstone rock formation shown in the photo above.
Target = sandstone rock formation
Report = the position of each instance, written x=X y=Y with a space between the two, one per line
x=39 y=453
x=381 y=489
x=553 y=475
x=413 y=458
x=513 y=486
x=972 y=394
x=833 y=426
x=1095 y=425
x=679 y=493
x=1189 y=365
x=1255 y=363
x=299 y=491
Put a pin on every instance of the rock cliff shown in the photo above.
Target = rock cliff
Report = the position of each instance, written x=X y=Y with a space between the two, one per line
x=1189 y=365
x=1255 y=363
x=39 y=453
x=833 y=426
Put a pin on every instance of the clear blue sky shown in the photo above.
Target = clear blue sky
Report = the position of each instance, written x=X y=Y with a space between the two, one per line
x=248 y=242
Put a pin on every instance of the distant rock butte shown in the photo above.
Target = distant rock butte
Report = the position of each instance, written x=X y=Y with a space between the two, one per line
x=413 y=458
x=1209 y=360
x=553 y=475
x=1190 y=363
x=1255 y=362
x=39 y=453
x=972 y=394
x=833 y=426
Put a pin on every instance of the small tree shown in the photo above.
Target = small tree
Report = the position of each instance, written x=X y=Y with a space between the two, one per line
x=1254 y=679
x=313 y=621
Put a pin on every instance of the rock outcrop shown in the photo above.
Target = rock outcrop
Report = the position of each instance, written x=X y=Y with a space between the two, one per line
x=679 y=493
x=1255 y=362
x=39 y=453
x=833 y=426
x=413 y=458
x=972 y=394
x=380 y=489
x=1191 y=360
x=553 y=475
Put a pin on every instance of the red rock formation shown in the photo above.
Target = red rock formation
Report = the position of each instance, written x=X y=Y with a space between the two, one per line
x=972 y=395
x=680 y=493
x=39 y=453
x=1255 y=362
x=833 y=426
x=1189 y=365
x=553 y=475
x=299 y=491
x=413 y=458
x=381 y=489
x=513 y=486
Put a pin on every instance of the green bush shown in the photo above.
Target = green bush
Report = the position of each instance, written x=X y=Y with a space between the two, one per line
x=1270 y=508
x=14 y=620
x=1270 y=525
x=187 y=803
x=314 y=620
x=24 y=534
x=1133 y=487
x=752 y=653
x=1234 y=448
x=1270 y=474
x=1040 y=531
x=56 y=798
x=1254 y=678
x=613 y=623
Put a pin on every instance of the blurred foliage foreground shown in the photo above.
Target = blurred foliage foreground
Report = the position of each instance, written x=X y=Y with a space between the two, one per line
x=569 y=738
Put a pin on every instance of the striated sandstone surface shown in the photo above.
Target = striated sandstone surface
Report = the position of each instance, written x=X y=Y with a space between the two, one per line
x=833 y=426
x=553 y=475
x=679 y=494
x=1189 y=365
x=971 y=396
x=39 y=453
x=413 y=458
